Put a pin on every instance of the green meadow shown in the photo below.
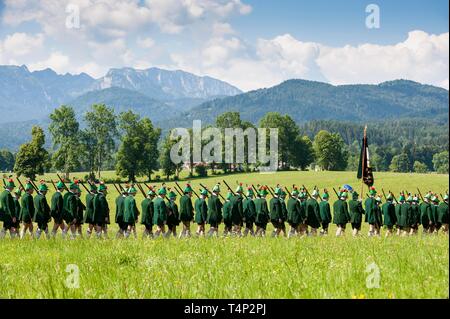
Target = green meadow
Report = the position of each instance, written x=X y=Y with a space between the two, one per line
x=311 y=267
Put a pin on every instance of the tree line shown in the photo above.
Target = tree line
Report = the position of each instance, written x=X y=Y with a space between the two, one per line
x=134 y=147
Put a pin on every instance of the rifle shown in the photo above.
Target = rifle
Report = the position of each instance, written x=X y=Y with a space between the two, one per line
x=384 y=194
x=180 y=189
x=315 y=188
x=307 y=193
x=211 y=192
x=396 y=201
x=420 y=194
x=84 y=186
x=336 y=193
x=4 y=183
x=34 y=186
x=147 y=186
x=20 y=183
x=229 y=188
x=62 y=182
x=269 y=189
x=142 y=191
x=117 y=189
x=54 y=186
x=176 y=189
x=254 y=188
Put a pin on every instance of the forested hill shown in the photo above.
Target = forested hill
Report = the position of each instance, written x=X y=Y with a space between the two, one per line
x=305 y=101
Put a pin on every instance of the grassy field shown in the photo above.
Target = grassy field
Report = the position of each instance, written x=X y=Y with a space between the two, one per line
x=319 y=267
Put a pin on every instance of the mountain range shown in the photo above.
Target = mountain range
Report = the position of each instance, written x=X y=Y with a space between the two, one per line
x=306 y=100
x=175 y=98
x=26 y=95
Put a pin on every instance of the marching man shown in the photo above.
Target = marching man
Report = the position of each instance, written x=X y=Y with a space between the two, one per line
x=325 y=213
x=42 y=211
x=131 y=213
x=57 y=209
x=214 y=212
x=388 y=210
x=7 y=210
x=356 y=211
x=201 y=212
x=340 y=213
x=27 y=210
x=147 y=214
x=293 y=217
x=186 y=211
x=249 y=211
x=101 y=210
x=173 y=216
x=313 y=213
x=160 y=212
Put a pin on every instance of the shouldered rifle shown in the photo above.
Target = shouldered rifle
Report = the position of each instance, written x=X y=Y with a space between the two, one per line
x=176 y=189
x=142 y=191
x=420 y=194
x=210 y=191
x=315 y=187
x=268 y=188
x=443 y=200
x=54 y=186
x=396 y=201
x=336 y=193
x=84 y=186
x=62 y=182
x=229 y=188
x=307 y=193
x=20 y=183
x=117 y=189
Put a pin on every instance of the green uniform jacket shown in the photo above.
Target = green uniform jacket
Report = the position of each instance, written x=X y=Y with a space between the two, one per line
x=89 y=216
x=130 y=213
x=434 y=213
x=57 y=207
x=370 y=205
x=404 y=215
x=325 y=212
x=355 y=210
x=173 y=216
x=27 y=209
x=293 y=208
x=284 y=211
x=41 y=210
x=201 y=211
x=275 y=209
x=425 y=214
x=262 y=211
x=147 y=212
x=415 y=215
x=378 y=215
x=340 y=212
x=443 y=213
x=159 y=211
x=248 y=205
x=313 y=213
x=16 y=212
x=70 y=207
x=237 y=211
x=226 y=212
x=388 y=210
x=80 y=210
x=303 y=211
x=214 y=210
x=186 y=209
x=6 y=207
x=101 y=209
x=120 y=201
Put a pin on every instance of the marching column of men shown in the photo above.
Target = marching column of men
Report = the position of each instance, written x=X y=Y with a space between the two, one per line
x=305 y=213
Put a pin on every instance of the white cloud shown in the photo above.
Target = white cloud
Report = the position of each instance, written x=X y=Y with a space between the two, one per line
x=56 y=61
x=421 y=57
x=145 y=43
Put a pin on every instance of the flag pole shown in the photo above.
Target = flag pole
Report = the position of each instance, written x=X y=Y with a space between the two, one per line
x=363 y=160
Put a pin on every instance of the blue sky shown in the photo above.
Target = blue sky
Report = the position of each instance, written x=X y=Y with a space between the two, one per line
x=248 y=43
x=342 y=22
